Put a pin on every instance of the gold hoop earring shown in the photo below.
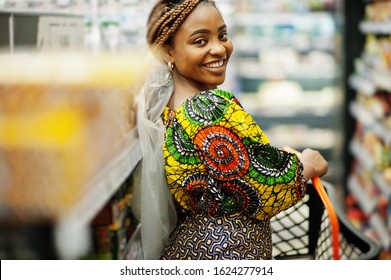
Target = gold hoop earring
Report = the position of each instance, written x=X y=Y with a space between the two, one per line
x=170 y=66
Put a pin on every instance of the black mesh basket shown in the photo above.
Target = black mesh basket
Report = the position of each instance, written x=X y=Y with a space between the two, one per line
x=304 y=232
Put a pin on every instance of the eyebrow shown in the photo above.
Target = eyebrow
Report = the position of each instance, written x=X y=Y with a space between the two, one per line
x=207 y=31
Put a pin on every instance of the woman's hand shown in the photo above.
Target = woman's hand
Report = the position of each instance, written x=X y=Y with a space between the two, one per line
x=314 y=163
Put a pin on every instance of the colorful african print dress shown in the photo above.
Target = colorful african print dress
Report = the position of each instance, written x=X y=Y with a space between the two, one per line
x=227 y=179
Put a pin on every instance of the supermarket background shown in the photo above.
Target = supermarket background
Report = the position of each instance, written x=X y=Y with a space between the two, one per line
x=313 y=73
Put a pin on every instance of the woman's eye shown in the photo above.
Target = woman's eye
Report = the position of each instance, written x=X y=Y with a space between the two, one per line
x=224 y=36
x=200 y=42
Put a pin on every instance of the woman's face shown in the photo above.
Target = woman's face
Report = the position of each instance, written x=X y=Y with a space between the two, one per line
x=201 y=49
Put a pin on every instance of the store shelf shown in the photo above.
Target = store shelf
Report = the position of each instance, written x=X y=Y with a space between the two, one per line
x=367 y=80
x=365 y=159
x=362 y=155
x=374 y=27
x=29 y=12
x=309 y=119
x=25 y=30
x=367 y=118
x=133 y=248
x=72 y=229
x=382 y=184
x=377 y=223
x=259 y=72
x=282 y=18
x=362 y=84
x=367 y=204
x=370 y=83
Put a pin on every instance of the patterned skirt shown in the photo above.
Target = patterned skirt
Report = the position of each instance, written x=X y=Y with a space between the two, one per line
x=231 y=237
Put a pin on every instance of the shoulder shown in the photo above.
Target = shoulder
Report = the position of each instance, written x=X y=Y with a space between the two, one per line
x=212 y=97
x=229 y=96
x=210 y=106
x=218 y=109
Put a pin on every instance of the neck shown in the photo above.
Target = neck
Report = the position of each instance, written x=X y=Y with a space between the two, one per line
x=184 y=89
x=190 y=85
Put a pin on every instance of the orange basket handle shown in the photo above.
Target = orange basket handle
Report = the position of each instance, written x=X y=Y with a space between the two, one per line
x=330 y=211
x=332 y=215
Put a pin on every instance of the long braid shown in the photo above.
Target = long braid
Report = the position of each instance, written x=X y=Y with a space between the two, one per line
x=165 y=20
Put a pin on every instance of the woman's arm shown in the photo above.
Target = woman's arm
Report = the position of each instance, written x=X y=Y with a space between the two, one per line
x=314 y=164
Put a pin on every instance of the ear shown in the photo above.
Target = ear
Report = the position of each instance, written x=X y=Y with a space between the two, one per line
x=168 y=53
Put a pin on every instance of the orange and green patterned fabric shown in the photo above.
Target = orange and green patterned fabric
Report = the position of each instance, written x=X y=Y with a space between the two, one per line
x=218 y=160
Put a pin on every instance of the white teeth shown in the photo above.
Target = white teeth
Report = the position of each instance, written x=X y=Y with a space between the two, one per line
x=215 y=64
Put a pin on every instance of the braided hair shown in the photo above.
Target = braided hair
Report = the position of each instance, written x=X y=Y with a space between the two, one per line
x=166 y=17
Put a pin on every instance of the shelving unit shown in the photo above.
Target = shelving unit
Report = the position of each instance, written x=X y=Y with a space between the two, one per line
x=116 y=26
x=68 y=232
x=24 y=30
x=93 y=25
x=68 y=236
x=72 y=233
x=287 y=74
x=369 y=106
x=68 y=150
x=80 y=27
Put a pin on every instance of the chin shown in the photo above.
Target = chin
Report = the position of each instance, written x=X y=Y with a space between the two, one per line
x=218 y=82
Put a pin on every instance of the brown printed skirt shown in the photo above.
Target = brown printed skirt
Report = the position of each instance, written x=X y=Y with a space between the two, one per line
x=220 y=237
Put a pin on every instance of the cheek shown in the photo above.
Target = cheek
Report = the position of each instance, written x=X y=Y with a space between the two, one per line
x=188 y=60
x=229 y=48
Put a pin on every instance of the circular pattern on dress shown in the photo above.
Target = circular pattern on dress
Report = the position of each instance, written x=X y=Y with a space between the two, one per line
x=197 y=187
x=180 y=146
x=205 y=108
x=271 y=162
x=239 y=196
x=224 y=154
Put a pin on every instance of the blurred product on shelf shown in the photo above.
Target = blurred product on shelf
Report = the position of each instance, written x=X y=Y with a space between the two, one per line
x=62 y=117
x=285 y=5
x=114 y=225
x=288 y=97
x=379 y=11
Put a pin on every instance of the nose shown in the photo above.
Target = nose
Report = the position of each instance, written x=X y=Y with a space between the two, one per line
x=218 y=48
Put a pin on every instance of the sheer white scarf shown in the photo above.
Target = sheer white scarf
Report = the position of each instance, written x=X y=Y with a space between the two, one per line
x=153 y=204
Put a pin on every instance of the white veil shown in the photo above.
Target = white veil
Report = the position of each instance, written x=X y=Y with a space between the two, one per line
x=153 y=204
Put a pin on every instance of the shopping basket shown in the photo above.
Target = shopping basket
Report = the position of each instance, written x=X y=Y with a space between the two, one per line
x=304 y=231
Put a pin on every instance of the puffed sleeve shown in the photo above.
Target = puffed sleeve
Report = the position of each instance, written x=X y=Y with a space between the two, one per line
x=246 y=173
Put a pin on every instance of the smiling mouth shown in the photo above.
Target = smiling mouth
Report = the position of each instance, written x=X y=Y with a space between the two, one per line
x=215 y=64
